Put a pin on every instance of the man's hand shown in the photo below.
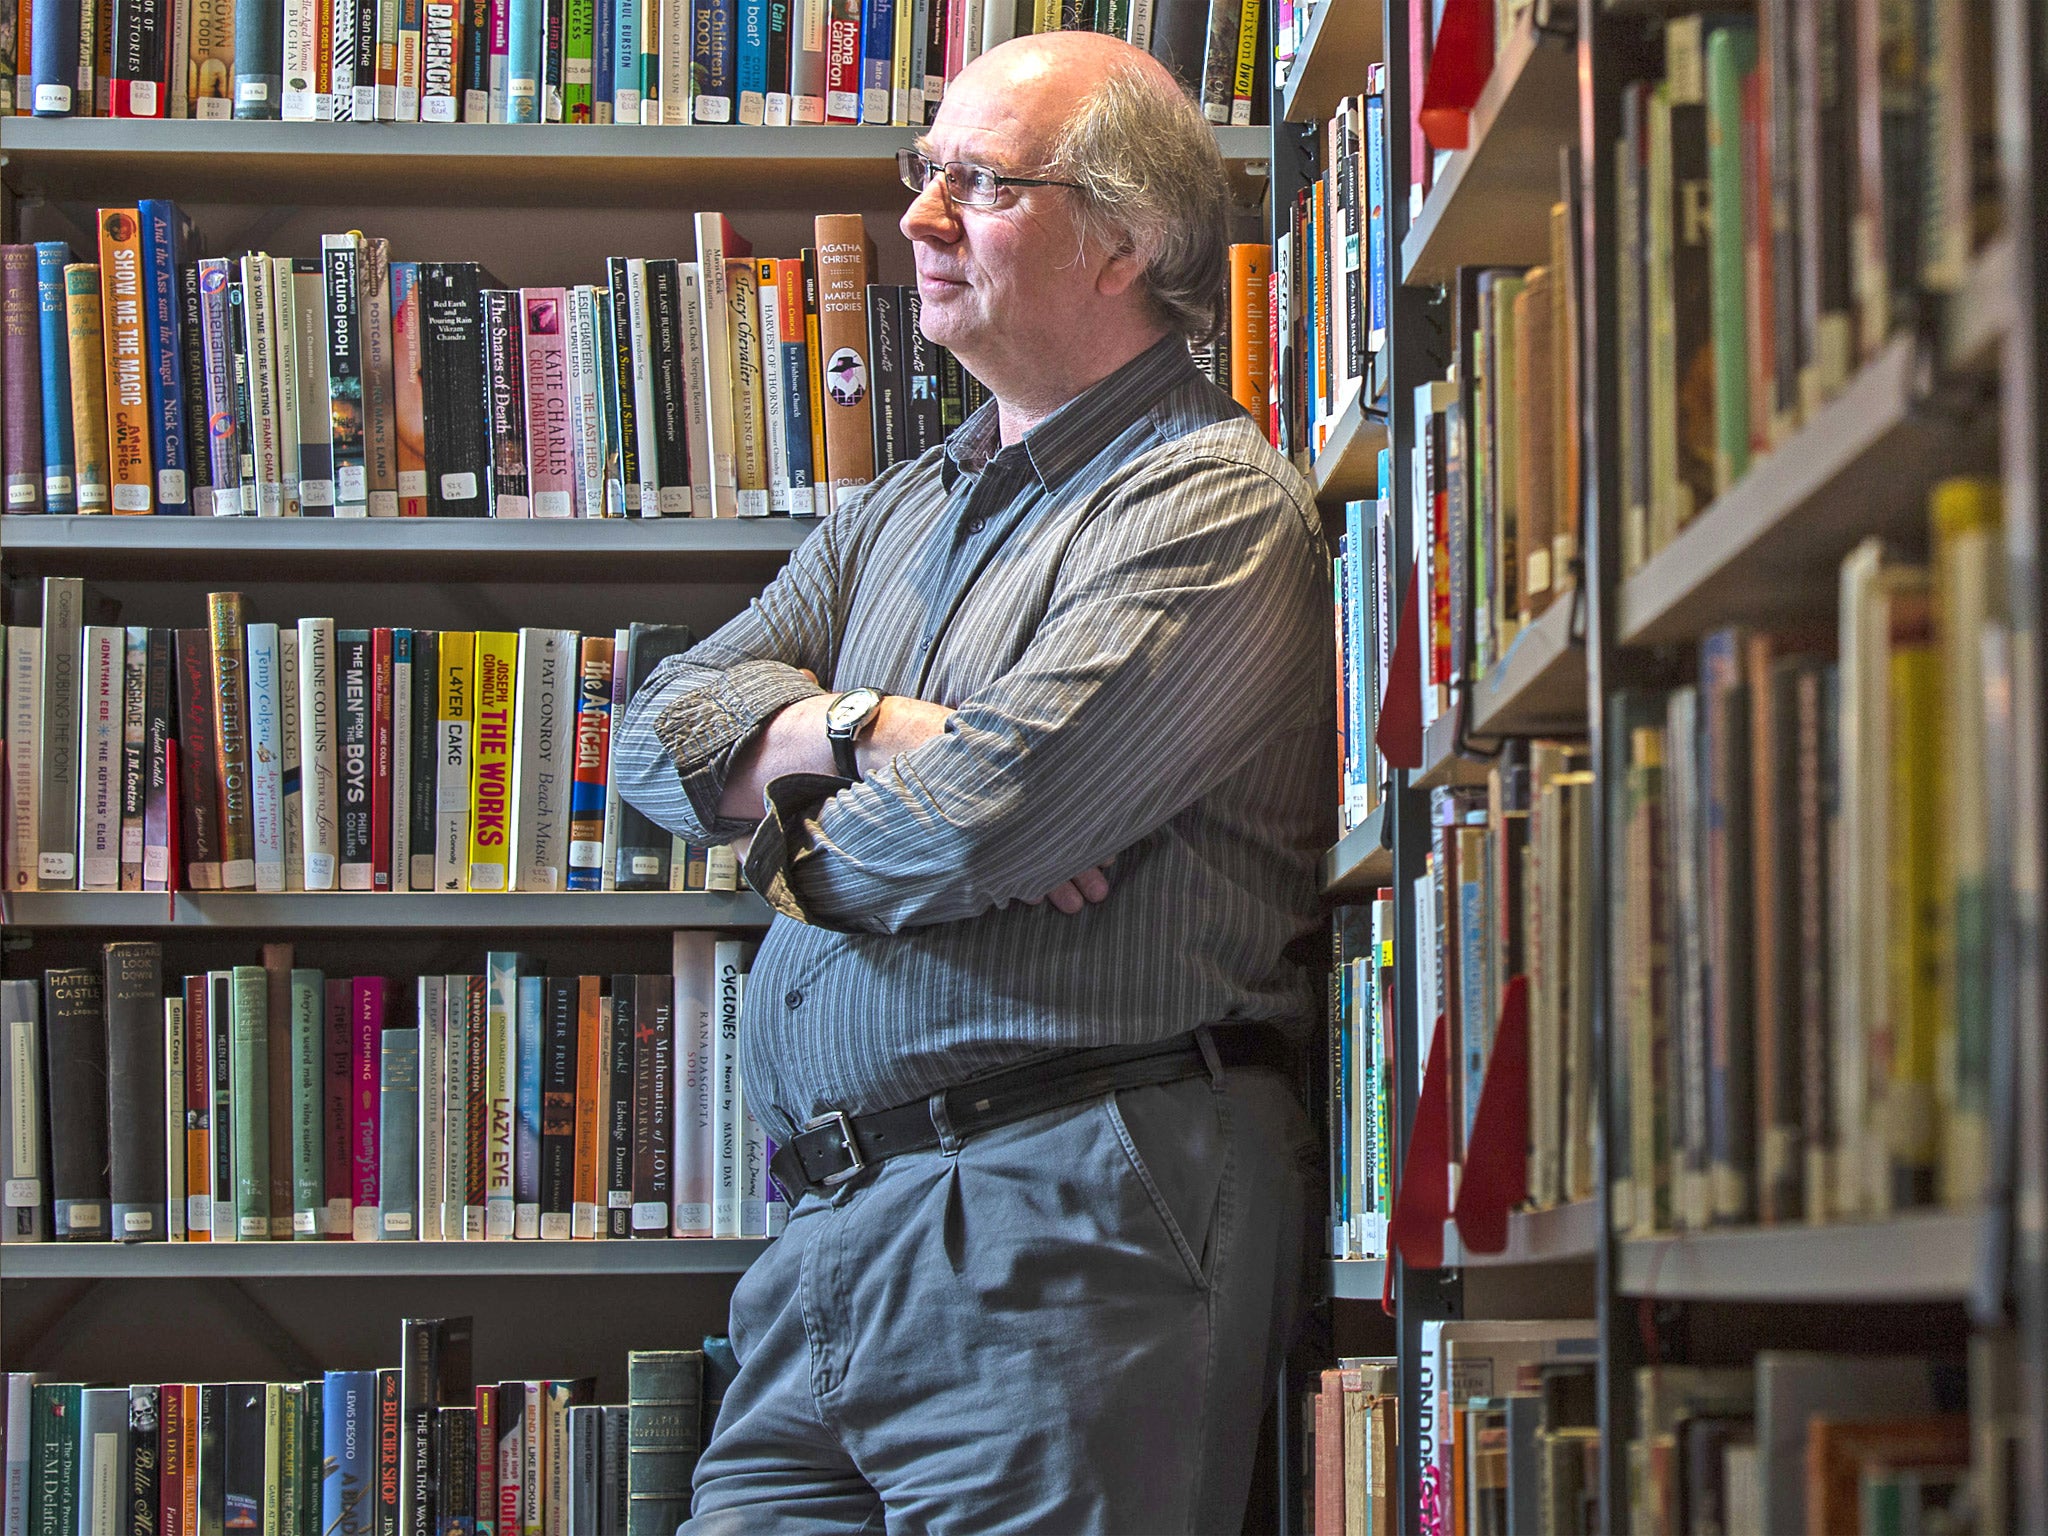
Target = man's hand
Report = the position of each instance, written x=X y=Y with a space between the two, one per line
x=1086 y=888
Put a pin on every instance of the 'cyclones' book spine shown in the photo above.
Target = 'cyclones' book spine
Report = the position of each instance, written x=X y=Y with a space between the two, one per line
x=727 y=1118
x=160 y=727
x=227 y=615
x=550 y=450
x=353 y=674
x=133 y=989
x=453 y=390
x=198 y=769
x=21 y=359
x=510 y=496
x=339 y=256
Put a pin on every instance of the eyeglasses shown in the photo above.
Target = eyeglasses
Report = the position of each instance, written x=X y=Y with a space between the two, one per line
x=967 y=185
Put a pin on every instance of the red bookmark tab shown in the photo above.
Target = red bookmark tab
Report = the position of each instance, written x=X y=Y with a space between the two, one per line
x=1496 y=1176
x=1423 y=1202
x=1460 y=63
x=1399 y=733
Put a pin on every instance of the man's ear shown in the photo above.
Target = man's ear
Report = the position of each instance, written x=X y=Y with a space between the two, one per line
x=1125 y=266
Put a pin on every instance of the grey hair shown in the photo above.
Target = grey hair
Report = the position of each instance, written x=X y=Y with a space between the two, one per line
x=1151 y=181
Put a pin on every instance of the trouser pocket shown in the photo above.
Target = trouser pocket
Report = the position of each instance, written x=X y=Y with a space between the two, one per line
x=1175 y=1137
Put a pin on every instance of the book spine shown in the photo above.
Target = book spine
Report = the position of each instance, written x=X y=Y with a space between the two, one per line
x=381 y=640
x=452 y=764
x=842 y=61
x=697 y=434
x=24 y=744
x=654 y=1146
x=555 y=1143
x=491 y=747
x=266 y=752
x=693 y=970
x=284 y=352
x=614 y=807
x=579 y=46
x=59 y=492
x=260 y=363
x=529 y=1035
x=749 y=413
x=339 y=257
x=163 y=237
x=474 y=1209
x=625 y=80
x=368 y=998
x=666 y=387
x=593 y=741
x=299 y=61
x=440 y=63
x=622 y=276
x=231 y=496
x=399 y=788
x=664 y=1415
x=457 y=1088
x=197 y=427
x=226 y=613
x=474 y=78
x=594 y=1018
x=640 y=351
x=308 y=1101
x=249 y=1090
x=726 y=1117
x=87 y=351
x=452 y=391
x=318 y=753
x=99 y=801
x=337 y=1121
x=398 y=1135
x=409 y=400
x=807 y=62
x=502 y=328
x=21 y=1161
x=133 y=989
x=587 y=419
x=877 y=60
x=59 y=777
x=842 y=338
x=422 y=810
x=241 y=400
x=431 y=1141
x=75 y=1058
x=133 y=753
x=1731 y=58
x=796 y=378
x=550 y=449
x=885 y=380
x=521 y=65
x=198 y=772
x=293 y=777
x=500 y=1091
x=406 y=87
x=710 y=61
x=379 y=420
x=159 y=811
x=355 y=674
x=258 y=59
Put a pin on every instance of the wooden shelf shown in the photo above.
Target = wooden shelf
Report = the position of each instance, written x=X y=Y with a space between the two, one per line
x=1565 y=1234
x=285 y=1260
x=477 y=165
x=1491 y=202
x=1362 y=862
x=1924 y=1256
x=1349 y=465
x=1539 y=687
x=1355 y=1279
x=424 y=548
x=1441 y=762
x=1329 y=63
x=309 y=911
x=1863 y=464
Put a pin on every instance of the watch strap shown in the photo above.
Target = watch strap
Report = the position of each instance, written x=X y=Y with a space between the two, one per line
x=843 y=755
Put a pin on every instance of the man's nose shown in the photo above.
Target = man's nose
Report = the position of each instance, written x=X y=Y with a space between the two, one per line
x=930 y=215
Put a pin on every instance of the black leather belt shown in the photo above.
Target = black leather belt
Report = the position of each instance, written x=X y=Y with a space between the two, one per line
x=835 y=1147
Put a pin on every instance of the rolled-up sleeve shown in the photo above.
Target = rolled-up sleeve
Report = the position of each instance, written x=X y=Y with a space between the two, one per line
x=673 y=745
x=1184 y=631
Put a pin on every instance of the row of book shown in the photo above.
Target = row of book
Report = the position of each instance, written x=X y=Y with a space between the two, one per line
x=1361 y=1098
x=273 y=1101
x=302 y=757
x=1362 y=583
x=1812 y=972
x=351 y=385
x=1330 y=281
x=1352 y=1424
x=1780 y=219
x=420 y=1449
x=884 y=62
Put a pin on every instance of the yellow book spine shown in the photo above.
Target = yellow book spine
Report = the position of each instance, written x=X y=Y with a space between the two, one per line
x=490 y=784
x=452 y=718
x=126 y=361
x=88 y=384
x=1920 y=1031
x=750 y=433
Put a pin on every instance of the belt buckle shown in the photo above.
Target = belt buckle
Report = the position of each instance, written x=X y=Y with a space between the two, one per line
x=817 y=1122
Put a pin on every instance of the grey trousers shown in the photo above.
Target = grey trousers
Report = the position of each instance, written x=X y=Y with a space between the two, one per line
x=1072 y=1324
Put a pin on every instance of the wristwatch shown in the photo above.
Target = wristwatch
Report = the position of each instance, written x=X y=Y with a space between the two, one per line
x=845 y=718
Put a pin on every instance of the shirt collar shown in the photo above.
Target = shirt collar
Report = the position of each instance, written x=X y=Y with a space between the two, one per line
x=1063 y=444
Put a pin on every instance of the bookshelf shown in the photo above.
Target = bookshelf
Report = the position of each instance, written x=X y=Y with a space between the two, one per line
x=1362 y=861
x=1539 y=686
x=1354 y=1279
x=1326 y=62
x=1918 y=1256
x=373 y=1261
x=1348 y=466
x=361 y=912
x=1564 y=1234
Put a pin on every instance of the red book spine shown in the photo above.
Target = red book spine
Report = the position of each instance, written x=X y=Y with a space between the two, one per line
x=380 y=760
x=842 y=62
x=367 y=1031
x=337 y=1124
x=387 y=1449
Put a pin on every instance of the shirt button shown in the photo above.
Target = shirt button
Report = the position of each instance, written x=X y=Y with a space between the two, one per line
x=976 y=526
x=793 y=998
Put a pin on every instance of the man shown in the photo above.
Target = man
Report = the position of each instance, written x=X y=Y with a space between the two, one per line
x=1050 y=1236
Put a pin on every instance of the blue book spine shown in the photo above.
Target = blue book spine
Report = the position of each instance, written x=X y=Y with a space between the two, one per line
x=625 y=61
x=603 y=53
x=166 y=236
x=522 y=60
x=586 y=795
x=1376 y=220
x=711 y=60
x=60 y=493
x=348 y=1453
x=526 y=1119
x=753 y=60
x=398 y=1138
x=796 y=420
x=877 y=59
x=53 y=55
x=1357 y=685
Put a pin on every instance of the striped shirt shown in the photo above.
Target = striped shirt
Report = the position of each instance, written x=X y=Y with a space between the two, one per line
x=1128 y=613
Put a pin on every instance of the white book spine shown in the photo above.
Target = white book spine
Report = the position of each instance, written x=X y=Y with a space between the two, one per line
x=455 y=1099
x=174 y=1119
x=402 y=685
x=693 y=962
x=587 y=482
x=300 y=101
x=433 y=1016
x=500 y=1093
x=57 y=807
x=753 y=1168
x=266 y=757
x=284 y=318
x=721 y=868
x=772 y=387
x=320 y=789
x=970 y=39
x=673 y=19
x=698 y=419
x=99 y=800
x=726 y=1109
x=24 y=754
x=288 y=735
x=134 y=751
x=607 y=879
x=259 y=314
x=438 y=62
x=21 y=1160
x=643 y=385
x=718 y=374
x=451 y=789
x=544 y=716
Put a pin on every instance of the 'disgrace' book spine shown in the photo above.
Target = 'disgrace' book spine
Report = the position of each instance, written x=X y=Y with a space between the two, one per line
x=622 y=275
x=319 y=722
x=338 y=254
x=665 y=339
x=259 y=59
x=379 y=376
x=422 y=808
x=308 y=1106
x=227 y=613
x=593 y=740
x=133 y=989
x=166 y=235
x=505 y=396
x=231 y=496
x=76 y=1061
x=453 y=390
x=198 y=776
x=409 y=388
x=550 y=450
x=159 y=730
x=353 y=673
x=21 y=1155
x=86 y=340
x=59 y=492
x=20 y=356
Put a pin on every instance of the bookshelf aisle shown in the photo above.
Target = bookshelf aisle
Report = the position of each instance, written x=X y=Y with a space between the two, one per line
x=1708 y=826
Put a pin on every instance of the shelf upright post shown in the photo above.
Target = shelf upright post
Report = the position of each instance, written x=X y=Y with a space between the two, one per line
x=2022 y=94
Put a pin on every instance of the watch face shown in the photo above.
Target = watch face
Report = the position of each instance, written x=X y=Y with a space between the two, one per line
x=848 y=709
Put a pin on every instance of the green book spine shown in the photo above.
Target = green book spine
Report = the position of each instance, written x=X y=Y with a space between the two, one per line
x=578 y=44
x=309 y=1088
x=249 y=1077
x=53 y=1459
x=664 y=1435
x=1731 y=59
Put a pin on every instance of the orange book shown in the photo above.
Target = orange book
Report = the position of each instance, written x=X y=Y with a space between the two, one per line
x=846 y=260
x=1250 y=266
x=1837 y=1449
x=126 y=350
x=1329 y=1456
x=590 y=1068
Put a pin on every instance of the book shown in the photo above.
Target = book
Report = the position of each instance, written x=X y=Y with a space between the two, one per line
x=491 y=745
x=133 y=993
x=544 y=766
x=75 y=1060
x=844 y=261
x=22 y=1179
x=664 y=1391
